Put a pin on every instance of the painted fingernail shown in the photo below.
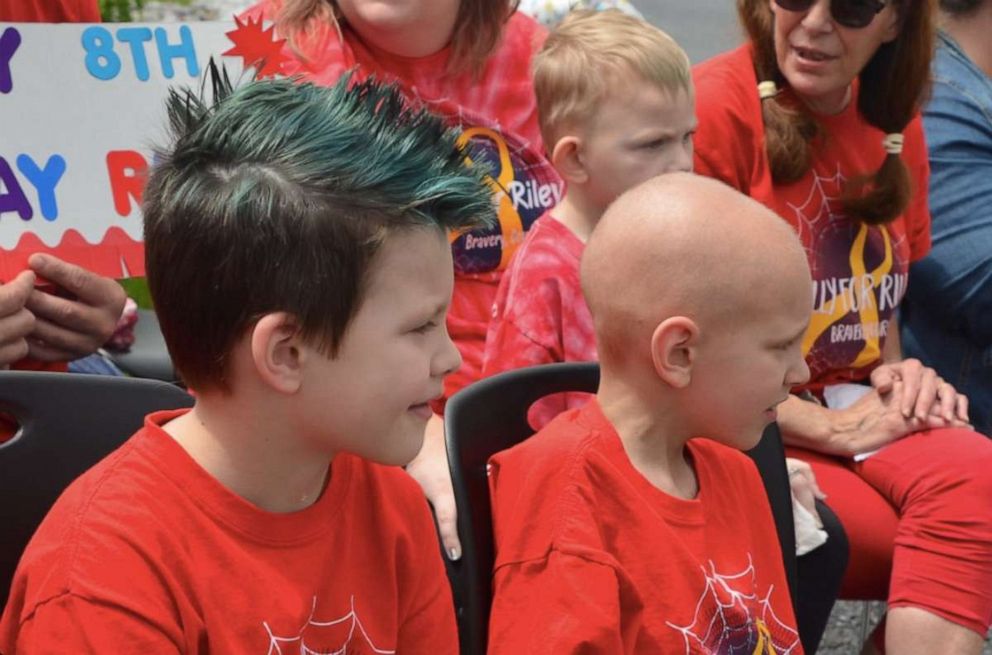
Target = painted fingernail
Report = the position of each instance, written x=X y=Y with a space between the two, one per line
x=454 y=554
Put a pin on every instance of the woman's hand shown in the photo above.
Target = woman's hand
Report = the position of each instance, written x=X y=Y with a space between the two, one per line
x=871 y=422
x=68 y=328
x=16 y=321
x=924 y=393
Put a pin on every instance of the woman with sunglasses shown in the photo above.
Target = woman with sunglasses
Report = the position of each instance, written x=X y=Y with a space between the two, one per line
x=817 y=117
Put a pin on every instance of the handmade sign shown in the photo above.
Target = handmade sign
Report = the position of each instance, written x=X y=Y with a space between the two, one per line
x=81 y=108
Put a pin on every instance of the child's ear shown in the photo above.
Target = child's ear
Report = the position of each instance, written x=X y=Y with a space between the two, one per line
x=674 y=345
x=277 y=351
x=567 y=160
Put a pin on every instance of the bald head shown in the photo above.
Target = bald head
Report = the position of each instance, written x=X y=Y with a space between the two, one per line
x=685 y=245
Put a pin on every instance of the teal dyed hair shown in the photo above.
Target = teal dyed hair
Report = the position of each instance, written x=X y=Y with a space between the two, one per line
x=276 y=196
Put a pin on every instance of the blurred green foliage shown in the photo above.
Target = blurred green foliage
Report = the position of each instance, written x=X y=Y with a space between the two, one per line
x=119 y=11
x=137 y=288
x=122 y=11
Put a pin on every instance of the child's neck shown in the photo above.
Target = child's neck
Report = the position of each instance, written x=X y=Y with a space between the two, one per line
x=577 y=214
x=655 y=445
x=250 y=452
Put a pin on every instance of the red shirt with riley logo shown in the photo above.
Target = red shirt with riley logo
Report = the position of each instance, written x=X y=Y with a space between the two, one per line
x=497 y=112
x=859 y=271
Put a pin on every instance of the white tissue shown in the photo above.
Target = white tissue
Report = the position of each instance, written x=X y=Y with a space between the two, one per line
x=809 y=536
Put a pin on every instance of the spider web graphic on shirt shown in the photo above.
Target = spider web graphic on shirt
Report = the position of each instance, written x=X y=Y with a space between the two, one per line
x=822 y=205
x=731 y=618
x=858 y=278
x=341 y=636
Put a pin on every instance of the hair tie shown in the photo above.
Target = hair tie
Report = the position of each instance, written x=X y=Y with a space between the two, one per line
x=767 y=89
x=893 y=143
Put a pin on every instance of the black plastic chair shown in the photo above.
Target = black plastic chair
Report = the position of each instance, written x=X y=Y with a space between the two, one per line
x=68 y=423
x=490 y=416
x=148 y=356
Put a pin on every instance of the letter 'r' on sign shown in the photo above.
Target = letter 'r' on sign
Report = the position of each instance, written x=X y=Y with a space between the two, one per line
x=128 y=172
x=9 y=42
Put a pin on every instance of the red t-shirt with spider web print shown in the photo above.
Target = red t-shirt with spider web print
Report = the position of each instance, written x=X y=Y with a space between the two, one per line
x=497 y=112
x=859 y=271
x=592 y=558
x=148 y=553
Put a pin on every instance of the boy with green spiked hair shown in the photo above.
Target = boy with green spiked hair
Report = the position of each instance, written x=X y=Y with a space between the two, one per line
x=297 y=255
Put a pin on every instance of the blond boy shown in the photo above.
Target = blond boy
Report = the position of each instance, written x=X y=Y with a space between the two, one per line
x=616 y=107
x=617 y=530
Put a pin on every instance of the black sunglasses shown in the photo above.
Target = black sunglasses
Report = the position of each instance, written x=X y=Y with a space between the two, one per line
x=849 y=13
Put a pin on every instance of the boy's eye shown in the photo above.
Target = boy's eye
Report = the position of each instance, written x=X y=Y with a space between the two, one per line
x=786 y=345
x=426 y=327
x=688 y=137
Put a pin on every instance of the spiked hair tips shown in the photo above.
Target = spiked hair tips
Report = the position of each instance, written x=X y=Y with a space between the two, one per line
x=276 y=195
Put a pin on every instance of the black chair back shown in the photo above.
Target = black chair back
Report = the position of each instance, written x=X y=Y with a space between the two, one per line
x=67 y=423
x=491 y=415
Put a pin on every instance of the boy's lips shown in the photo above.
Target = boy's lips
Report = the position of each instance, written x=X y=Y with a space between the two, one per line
x=423 y=409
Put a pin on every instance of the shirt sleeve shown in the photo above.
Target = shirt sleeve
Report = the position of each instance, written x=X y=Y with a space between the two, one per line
x=725 y=142
x=562 y=604
x=956 y=279
x=71 y=624
x=508 y=348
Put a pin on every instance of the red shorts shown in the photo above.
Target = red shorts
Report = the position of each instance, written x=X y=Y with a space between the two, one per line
x=919 y=518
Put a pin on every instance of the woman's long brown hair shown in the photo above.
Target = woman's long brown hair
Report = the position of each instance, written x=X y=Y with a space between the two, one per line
x=893 y=85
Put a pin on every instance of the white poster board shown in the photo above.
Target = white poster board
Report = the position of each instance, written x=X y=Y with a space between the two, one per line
x=81 y=107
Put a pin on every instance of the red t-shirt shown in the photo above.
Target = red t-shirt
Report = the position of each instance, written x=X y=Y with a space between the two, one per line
x=497 y=112
x=540 y=315
x=148 y=553
x=859 y=271
x=50 y=11
x=592 y=558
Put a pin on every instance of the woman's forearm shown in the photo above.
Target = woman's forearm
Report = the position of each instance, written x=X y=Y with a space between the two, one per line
x=809 y=425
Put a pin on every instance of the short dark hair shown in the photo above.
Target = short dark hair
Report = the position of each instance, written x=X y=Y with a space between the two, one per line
x=960 y=7
x=276 y=196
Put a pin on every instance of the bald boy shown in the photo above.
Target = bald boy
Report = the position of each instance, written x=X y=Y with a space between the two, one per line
x=635 y=524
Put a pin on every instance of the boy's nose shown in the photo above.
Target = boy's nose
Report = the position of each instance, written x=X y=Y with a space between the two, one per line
x=684 y=161
x=448 y=359
x=799 y=373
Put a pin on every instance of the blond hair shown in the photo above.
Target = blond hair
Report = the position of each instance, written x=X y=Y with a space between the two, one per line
x=574 y=70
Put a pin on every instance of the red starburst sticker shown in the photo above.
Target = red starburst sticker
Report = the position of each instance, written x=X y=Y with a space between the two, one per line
x=258 y=47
